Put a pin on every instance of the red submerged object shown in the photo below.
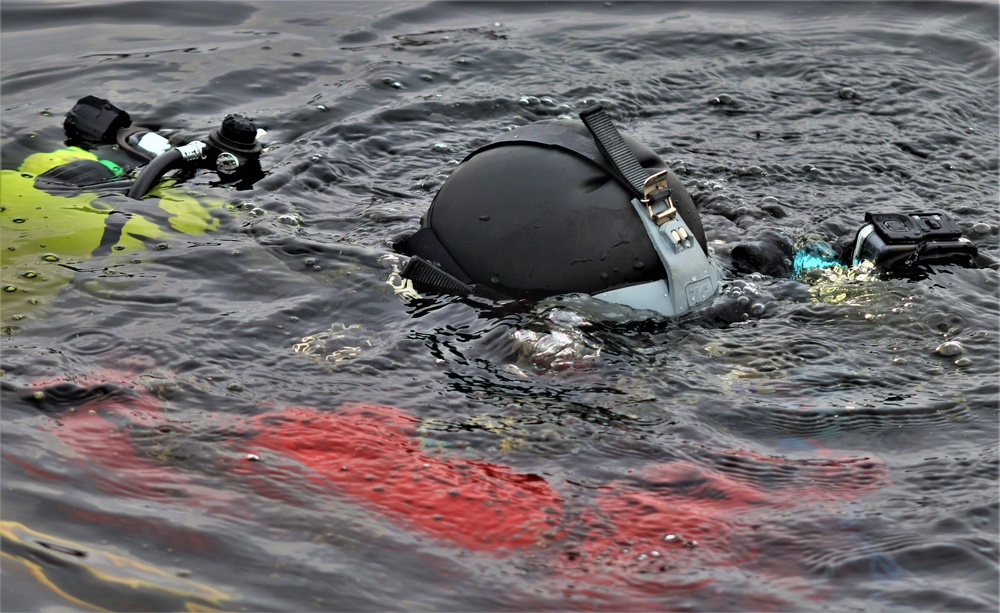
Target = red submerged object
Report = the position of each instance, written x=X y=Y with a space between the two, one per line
x=369 y=453
x=662 y=530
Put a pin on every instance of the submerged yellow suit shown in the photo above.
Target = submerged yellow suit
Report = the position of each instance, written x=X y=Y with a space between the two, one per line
x=43 y=236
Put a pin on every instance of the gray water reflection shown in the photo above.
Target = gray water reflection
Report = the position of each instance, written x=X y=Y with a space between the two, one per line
x=856 y=461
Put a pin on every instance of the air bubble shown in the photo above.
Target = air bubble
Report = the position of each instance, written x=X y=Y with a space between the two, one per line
x=440 y=148
x=722 y=100
x=950 y=348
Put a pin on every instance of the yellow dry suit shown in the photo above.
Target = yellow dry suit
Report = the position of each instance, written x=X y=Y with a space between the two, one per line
x=45 y=235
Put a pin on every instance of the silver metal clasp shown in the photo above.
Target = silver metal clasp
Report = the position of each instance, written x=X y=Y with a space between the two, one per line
x=656 y=195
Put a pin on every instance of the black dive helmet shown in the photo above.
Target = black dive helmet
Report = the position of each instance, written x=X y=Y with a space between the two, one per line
x=560 y=207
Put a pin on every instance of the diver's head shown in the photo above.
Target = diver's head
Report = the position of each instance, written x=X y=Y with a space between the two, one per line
x=560 y=207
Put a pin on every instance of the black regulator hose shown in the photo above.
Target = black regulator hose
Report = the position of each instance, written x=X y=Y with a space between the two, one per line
x=153 y=172
x=162 y=164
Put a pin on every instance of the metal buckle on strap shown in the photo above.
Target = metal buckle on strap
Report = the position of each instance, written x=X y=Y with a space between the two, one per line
x=656 y=193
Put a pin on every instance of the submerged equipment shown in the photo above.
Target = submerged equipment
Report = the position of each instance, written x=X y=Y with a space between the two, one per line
x=232 y=151
x=63 y=208
x=561 y=207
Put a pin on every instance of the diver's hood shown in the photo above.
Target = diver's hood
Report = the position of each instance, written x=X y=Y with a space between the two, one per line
x=559 y=207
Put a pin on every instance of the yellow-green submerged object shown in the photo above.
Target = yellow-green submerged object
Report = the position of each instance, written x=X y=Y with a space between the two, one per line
x=44 y=235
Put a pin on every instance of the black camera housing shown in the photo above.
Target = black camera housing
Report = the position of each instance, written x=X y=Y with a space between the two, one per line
x=898 y=240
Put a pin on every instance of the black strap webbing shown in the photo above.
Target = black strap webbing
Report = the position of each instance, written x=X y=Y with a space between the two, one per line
x=614 y=148
x=423 y=273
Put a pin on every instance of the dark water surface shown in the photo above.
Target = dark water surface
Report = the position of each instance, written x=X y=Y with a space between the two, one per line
x=819 y=447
